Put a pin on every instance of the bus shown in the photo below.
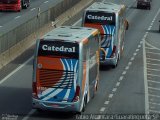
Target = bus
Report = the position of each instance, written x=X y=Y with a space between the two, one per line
x=66 y=69
x=110 y=19
x=14 y=5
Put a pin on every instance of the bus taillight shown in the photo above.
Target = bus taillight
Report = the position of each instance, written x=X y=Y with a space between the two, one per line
x=113 y=52
x=77 y=94
x=34 y=90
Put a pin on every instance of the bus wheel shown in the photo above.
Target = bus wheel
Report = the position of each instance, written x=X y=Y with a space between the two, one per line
x=84 y=104
x=114 y=66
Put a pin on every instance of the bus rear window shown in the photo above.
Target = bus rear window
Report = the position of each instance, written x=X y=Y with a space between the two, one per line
x=58 y=49
x=101 y=18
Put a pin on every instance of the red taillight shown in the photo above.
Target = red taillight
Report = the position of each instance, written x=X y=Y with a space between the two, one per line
x=113 y=52
x=34 y=90
x=77 y=94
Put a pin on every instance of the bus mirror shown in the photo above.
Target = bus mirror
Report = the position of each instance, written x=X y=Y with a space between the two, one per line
x=126 y=24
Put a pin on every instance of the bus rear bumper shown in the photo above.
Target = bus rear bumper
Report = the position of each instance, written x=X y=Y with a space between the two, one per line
x=56 y=106
x=109 y=61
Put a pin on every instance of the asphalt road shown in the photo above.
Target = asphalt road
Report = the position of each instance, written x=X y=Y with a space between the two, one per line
x=131 y=88
x=8 y=17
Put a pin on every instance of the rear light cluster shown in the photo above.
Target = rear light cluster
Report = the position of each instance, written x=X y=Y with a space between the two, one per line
x=34 y=90
x=113 y=52
x=77 y=94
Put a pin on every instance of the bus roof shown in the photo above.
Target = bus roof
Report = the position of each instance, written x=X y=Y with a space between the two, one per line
x=70 y=33
x=105 y=6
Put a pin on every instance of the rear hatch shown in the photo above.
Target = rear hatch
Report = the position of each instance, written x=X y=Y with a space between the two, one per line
x=57 y=71
x=105 y=22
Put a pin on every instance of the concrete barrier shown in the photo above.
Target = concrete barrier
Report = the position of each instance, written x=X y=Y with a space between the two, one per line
x=16 y=41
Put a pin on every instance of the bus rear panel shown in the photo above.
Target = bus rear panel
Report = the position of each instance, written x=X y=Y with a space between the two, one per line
x=56 y=76
x=106 y=23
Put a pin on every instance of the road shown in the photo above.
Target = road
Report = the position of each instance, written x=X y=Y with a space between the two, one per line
x=8 y=17
x=131 y=88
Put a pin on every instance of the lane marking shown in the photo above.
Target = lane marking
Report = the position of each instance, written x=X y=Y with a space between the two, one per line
x=154 y=111
x=29 y=114
x=32 y=9
x=137 y=50
x=153 y=64
x=17 y=17
x=77 y=22
x=114 y=90
x=124 y=72
x=153 y=59
x=153 y=75
x=102 y=109
x=121 y=78
x=132 y=58
x=153 y=53
x=153 y=69
x=1 y=26
x=130 y=63
x=46 y=1
x=158 y=89
x=139 y=46
x=127 y=68
x=110 y=95
x=17 y=69
x=135 y=54
x=106 y=102
x=154 y=95
x=154 y=103
x=145 y=79
x=118 y=83
x=154 y=81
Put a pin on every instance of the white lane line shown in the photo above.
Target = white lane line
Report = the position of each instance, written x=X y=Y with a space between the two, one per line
x=32 y=9
x=17 y=17
x=153 y=59
x=139 y=46
x=46 y=1
x=106 y=102
x=154 y=111
x=145 y=79
x=153 y=75
x=132 y=58
x=158 y=89
x=154 y=81
x=137 y=50
x=154 y=103
x=29 y=114
x=153 y=64
x=77 y=22
x=124 y=72
x=135 y=54
x=127 y=68
x=153 y=53
x=117 y=84
x=121 y=78
x=114 y=90
x=154 y=95
x=102 y=109
x=130 y=63
x=17 y=69
x=110 y=95
x=153 y=69
x=1 y=26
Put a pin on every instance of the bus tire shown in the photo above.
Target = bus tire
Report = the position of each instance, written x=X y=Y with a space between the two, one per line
x=114 y=66
x=84 y=103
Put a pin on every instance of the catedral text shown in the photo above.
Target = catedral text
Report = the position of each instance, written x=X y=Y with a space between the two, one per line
x=91 y=17
x=61 y=49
